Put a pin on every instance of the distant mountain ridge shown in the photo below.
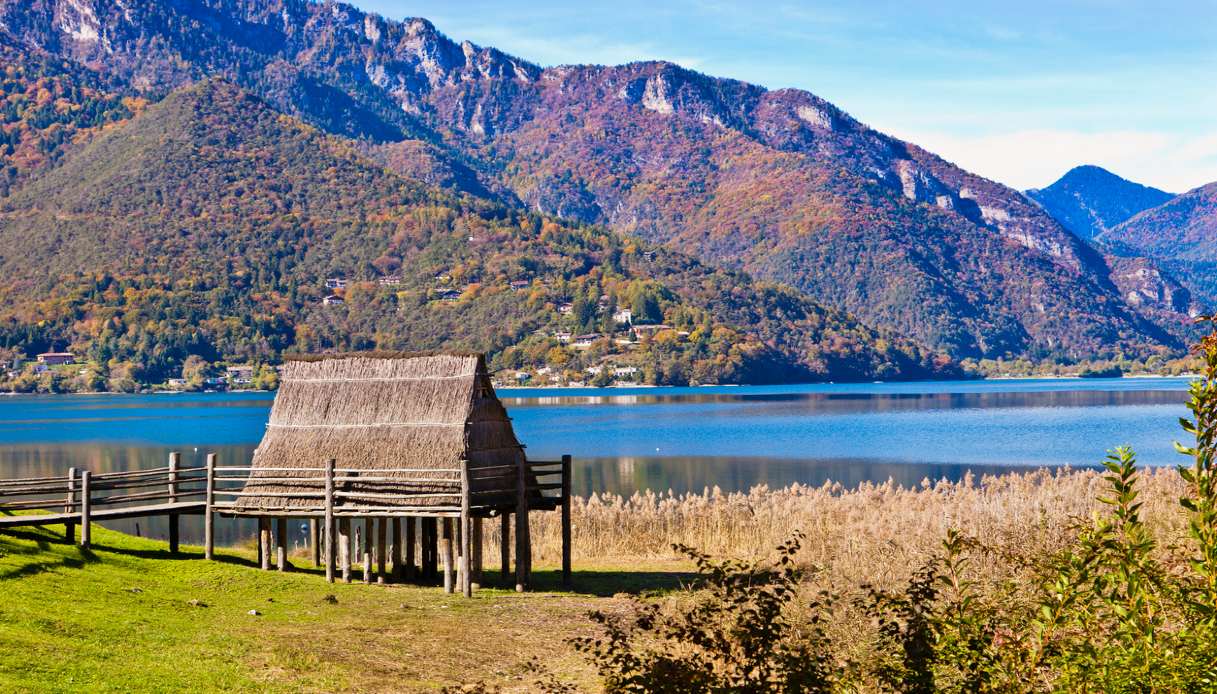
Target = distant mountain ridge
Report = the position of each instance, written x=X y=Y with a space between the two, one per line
x=1180 y=234
x=780 y=184
x=1089 y=200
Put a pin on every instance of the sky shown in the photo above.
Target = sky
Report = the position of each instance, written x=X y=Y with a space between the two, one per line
x=1019 y=92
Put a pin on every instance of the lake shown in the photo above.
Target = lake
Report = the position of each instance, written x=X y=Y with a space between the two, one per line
x=680 y=439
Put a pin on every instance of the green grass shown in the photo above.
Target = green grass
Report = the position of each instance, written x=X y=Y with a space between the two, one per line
x=119 y=617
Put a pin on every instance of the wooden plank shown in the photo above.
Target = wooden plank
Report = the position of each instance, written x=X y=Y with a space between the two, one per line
x=395 y=554
x=209 y=521
x=381 y=550
x=566 y=569
x=521 y=511
x=330 y=550
x=86 y=507
x=505 y=546
x=281 y=543
x=314 y=547
x=69 y=528
x=344 y=547
x=475 y=558
x=264 y=543
x=175 y=459
x=446 y=553
x=466 y=536
x=411 y=539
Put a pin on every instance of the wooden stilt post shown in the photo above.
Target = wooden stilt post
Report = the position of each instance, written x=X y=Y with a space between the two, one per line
x=505 y=546
x=466 y=535
x=69 y=528
x=446 y=551
x=86 y=503
x=411 y=526
x=430 y=548
x=330 y=549
x=313 y=545
x=264 y=542
x=566 y=572
x=395 y=535
x=382 y=552
x=175 y=461
x=521 y=525
x=344 y=547
x=281 y=543
x=209 y=518
x=476 y=549
x=368 y=539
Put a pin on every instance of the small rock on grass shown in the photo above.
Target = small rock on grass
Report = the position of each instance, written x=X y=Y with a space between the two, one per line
x=253 y=613
x=197 y=603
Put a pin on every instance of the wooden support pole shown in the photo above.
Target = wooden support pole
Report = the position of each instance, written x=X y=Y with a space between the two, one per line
x=86 y=504
x=411 y=526
x=395 y=554
x=344 y=547
x=314 y=547
x=382 y=552
x=209 y=518
x=521 y=526
x=566 y=571
x=264 y=543
x=369 y=525
x=69 y=528
x=281 y=543
x=476 y=557
x=466 y=535
x=446 y=551
x=175 y=460
x=505 y=546
x=430 y=548
x=330 y=549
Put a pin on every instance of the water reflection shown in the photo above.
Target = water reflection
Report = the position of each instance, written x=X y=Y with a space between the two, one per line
x=682 y=439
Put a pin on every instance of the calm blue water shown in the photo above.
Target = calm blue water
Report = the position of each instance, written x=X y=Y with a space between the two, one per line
x=672 y=438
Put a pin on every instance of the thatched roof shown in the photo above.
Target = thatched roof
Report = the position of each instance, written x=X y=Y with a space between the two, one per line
x=381 y=411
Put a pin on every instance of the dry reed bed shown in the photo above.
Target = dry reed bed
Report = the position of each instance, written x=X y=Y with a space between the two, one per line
x=875 y=533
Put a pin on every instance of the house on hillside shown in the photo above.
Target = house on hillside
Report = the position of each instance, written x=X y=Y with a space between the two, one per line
x=520 y=285
x=641 y=330
x=623 y=317
x=335 y=283
x=585 y=341
x=56 y=358
x=566 y=308
x=563 y=337
x=449 y=295
x=389 y=280
x=241 y=375
x=333 y=300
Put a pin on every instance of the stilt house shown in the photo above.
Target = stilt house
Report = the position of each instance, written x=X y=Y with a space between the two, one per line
x=389 y=439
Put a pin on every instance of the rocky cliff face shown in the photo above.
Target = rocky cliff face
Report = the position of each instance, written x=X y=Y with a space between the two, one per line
x=780 y=183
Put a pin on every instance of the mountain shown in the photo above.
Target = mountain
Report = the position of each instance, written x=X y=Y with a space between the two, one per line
x=1089 y=200
x=1180 y=234
x=779 y=184
x=208 y=224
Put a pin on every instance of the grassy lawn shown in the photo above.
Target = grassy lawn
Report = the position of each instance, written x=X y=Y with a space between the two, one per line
x=128 y=616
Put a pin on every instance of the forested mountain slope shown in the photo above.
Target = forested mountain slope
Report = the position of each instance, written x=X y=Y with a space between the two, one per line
x=1089 y=200
x=208 y=224
x=778 y=183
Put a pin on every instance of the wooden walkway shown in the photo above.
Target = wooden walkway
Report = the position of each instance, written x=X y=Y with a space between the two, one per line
x=81 y=497
x=441 y=515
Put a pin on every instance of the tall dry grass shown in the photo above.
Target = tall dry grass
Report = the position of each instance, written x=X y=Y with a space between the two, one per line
x=875 y=533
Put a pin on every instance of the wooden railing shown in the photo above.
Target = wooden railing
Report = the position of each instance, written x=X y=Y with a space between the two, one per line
x=173 y=490
x=84 y=496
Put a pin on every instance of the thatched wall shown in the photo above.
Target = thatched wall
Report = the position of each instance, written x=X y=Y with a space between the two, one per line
x=375 y=412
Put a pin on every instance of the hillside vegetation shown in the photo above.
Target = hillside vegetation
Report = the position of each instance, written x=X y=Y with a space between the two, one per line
x=209 y=224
